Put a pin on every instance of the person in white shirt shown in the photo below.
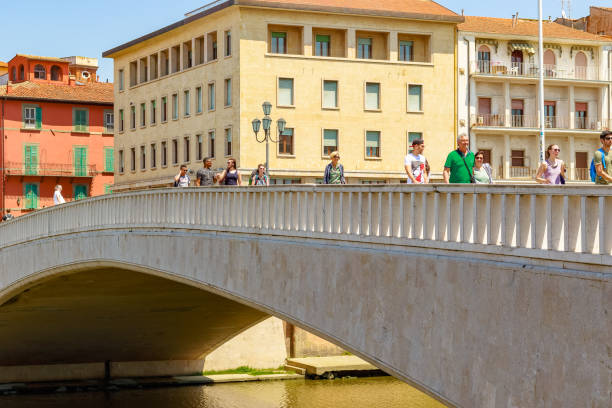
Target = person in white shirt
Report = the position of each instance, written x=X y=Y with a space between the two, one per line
x=182 y=179
x=57 y=195
x=416 y=164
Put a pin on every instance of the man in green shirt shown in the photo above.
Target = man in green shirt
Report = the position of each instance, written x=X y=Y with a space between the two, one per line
x=459 y=166
x=603 y=161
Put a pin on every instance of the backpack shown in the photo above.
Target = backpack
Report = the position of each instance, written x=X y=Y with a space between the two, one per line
x=592 y=169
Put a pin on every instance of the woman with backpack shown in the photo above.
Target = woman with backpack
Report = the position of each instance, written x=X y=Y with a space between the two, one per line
x=552 y=170
x=260 y=178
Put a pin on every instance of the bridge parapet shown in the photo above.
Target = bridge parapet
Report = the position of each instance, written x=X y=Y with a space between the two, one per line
x=562 y=223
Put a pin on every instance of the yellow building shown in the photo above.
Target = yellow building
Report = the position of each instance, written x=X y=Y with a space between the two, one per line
x=3 y=68
x=363 y=78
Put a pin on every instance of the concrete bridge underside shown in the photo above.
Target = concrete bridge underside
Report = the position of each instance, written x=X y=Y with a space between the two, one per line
x=471 y=330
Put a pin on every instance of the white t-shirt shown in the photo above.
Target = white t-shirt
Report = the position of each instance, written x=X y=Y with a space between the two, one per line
x=183 y=181
x=417 y=165
x=57 y=198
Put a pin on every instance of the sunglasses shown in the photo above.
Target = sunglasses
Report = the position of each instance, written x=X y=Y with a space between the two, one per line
x=556 y=150
x=479 y=158
x=608 y=137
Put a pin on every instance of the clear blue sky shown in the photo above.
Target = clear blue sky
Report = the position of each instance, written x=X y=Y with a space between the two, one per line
x=87 y=28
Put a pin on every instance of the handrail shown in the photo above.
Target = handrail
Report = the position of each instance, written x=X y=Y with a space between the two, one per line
x=560 y=222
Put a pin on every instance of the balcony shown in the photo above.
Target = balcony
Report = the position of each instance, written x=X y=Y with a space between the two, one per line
x=522 y=172
x=582 y=174
x=49 y=170
x=532 y=122
x=530 y=70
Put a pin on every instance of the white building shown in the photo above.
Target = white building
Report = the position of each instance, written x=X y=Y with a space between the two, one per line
x=498 y=92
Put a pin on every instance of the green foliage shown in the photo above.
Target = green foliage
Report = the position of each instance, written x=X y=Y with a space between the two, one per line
x=250 y=371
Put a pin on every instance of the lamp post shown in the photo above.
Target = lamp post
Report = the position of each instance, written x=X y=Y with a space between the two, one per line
x=266 y=121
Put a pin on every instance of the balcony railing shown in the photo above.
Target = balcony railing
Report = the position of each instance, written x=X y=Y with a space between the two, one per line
x=527 y=69
x=532 y=121
x=522 y=172
x=582 y=174
x=49 y=169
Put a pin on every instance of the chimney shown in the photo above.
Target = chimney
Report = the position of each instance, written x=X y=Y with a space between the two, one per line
x=549 y=19
x=513 y=20
x=462 y=13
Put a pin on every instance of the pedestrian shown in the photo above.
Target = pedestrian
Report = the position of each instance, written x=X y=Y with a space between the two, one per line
x=334 y=172
x=483 y=174
x=8 y=216
x=602 y=160
x=182 y=179
x=57 y=195
x=261 y=178
x=206 y=176
x=416 y=164
x=230 y=176
x=552 y=170
x=459 y=163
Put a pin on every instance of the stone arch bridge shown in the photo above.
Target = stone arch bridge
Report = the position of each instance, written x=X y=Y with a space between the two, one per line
x=481 y=296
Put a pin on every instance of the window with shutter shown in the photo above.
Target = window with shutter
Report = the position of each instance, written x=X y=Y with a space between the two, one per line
x=330 y=94
x=372 y=99
x=109 y=159
x=372 y=144
x=330 y=141
x=31 y=159
x=80 y=161
x=80 y=191
x=80 y=120
x=31 y=196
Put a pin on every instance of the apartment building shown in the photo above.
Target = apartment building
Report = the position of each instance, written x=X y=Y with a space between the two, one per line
x=498 y=73
x=55 y=128
x=363 y=78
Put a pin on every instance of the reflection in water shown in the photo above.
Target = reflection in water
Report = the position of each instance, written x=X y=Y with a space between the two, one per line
x=384 y=392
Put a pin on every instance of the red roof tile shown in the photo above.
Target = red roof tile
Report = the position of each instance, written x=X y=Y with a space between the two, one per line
x=524 y=27
x=88 y=93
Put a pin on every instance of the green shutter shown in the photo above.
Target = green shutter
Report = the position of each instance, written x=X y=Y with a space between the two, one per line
x=108 y=189
x=38 y=118
x=80 y=120
x=80 y=161
x=80 y=191
x=279 y=35
x=322 y=38
x=31 y=196
x=31 y=159
x=109 y=159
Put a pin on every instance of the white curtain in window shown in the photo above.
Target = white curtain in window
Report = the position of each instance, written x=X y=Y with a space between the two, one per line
x=414 y=97
x=372 y=96
x=372 y=139
x=330 y=94
x=285 y=92
x=330 y=138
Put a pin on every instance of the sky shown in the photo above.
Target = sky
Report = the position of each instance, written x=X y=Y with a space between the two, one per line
x=64 y=28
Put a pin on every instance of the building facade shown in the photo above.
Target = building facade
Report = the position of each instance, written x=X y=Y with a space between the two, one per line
x=498 y=93
x=55 y=130
x=362 y=79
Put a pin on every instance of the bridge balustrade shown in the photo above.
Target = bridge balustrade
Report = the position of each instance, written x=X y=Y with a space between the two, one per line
x=525 y=220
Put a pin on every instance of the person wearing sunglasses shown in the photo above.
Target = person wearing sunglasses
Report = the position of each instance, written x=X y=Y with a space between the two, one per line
x=552 y=170
x=483 y=173
x=231 y=175
x=602 y=159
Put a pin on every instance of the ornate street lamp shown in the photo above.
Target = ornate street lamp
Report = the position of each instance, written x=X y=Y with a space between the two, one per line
x=266 y=123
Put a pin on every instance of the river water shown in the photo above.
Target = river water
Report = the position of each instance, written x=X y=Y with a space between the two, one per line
x=379 y=392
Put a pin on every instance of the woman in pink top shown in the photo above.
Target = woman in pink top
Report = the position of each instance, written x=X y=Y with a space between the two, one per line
x=551 y=171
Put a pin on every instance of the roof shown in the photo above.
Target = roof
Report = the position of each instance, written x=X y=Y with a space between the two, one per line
x=412 y=9
x=3 y=64
x=97 y=93
x=524 y=27
x=37 y=57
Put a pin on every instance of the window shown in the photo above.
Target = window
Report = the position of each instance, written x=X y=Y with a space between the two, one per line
x=406 y=52
x=581 y=115
x=56 y=73
x=175 y=58
x=30 y=191
x=133 y=73
x=211 y=96
x=132 y=117
x=364 y=48
x=211 y=45
x=228 y=92
x=285 y=92
x=372 y=97
x=550 y=108
x=30 y=156
x=187 y=149
x=80 y=192
x=228 y=43
x=13 y=74
x=153 y=111
x=175 y=107
x=228 y=141
x=21 y=72
x=279 y=43
x=285 y=143
x=80 y=161
x=109 y=159
x=415 y=98
x=164 y=109
x=144 y=62
x=581 y=65
x=108 y=189
x=164 y=154
x=214 y=49
x=174 y=151
x=322 y=48
x=199 y=99
x=80 y=121
x=133 y=159
x=484 y=59
x=32 y=117
x=143 y=114
x=518 y=158
x=372 y=144
x=211 y=143
x=143 y=158
x=153 y=155
x=330 y=141
x=199 y=147
x=109 y=121
x=187 y=104
x=121 y=162
x=121 y=120
x=40 y=72
x=517 y=112
x=330 y=94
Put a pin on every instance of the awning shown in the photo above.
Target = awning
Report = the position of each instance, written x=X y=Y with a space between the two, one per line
x=521 y=46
